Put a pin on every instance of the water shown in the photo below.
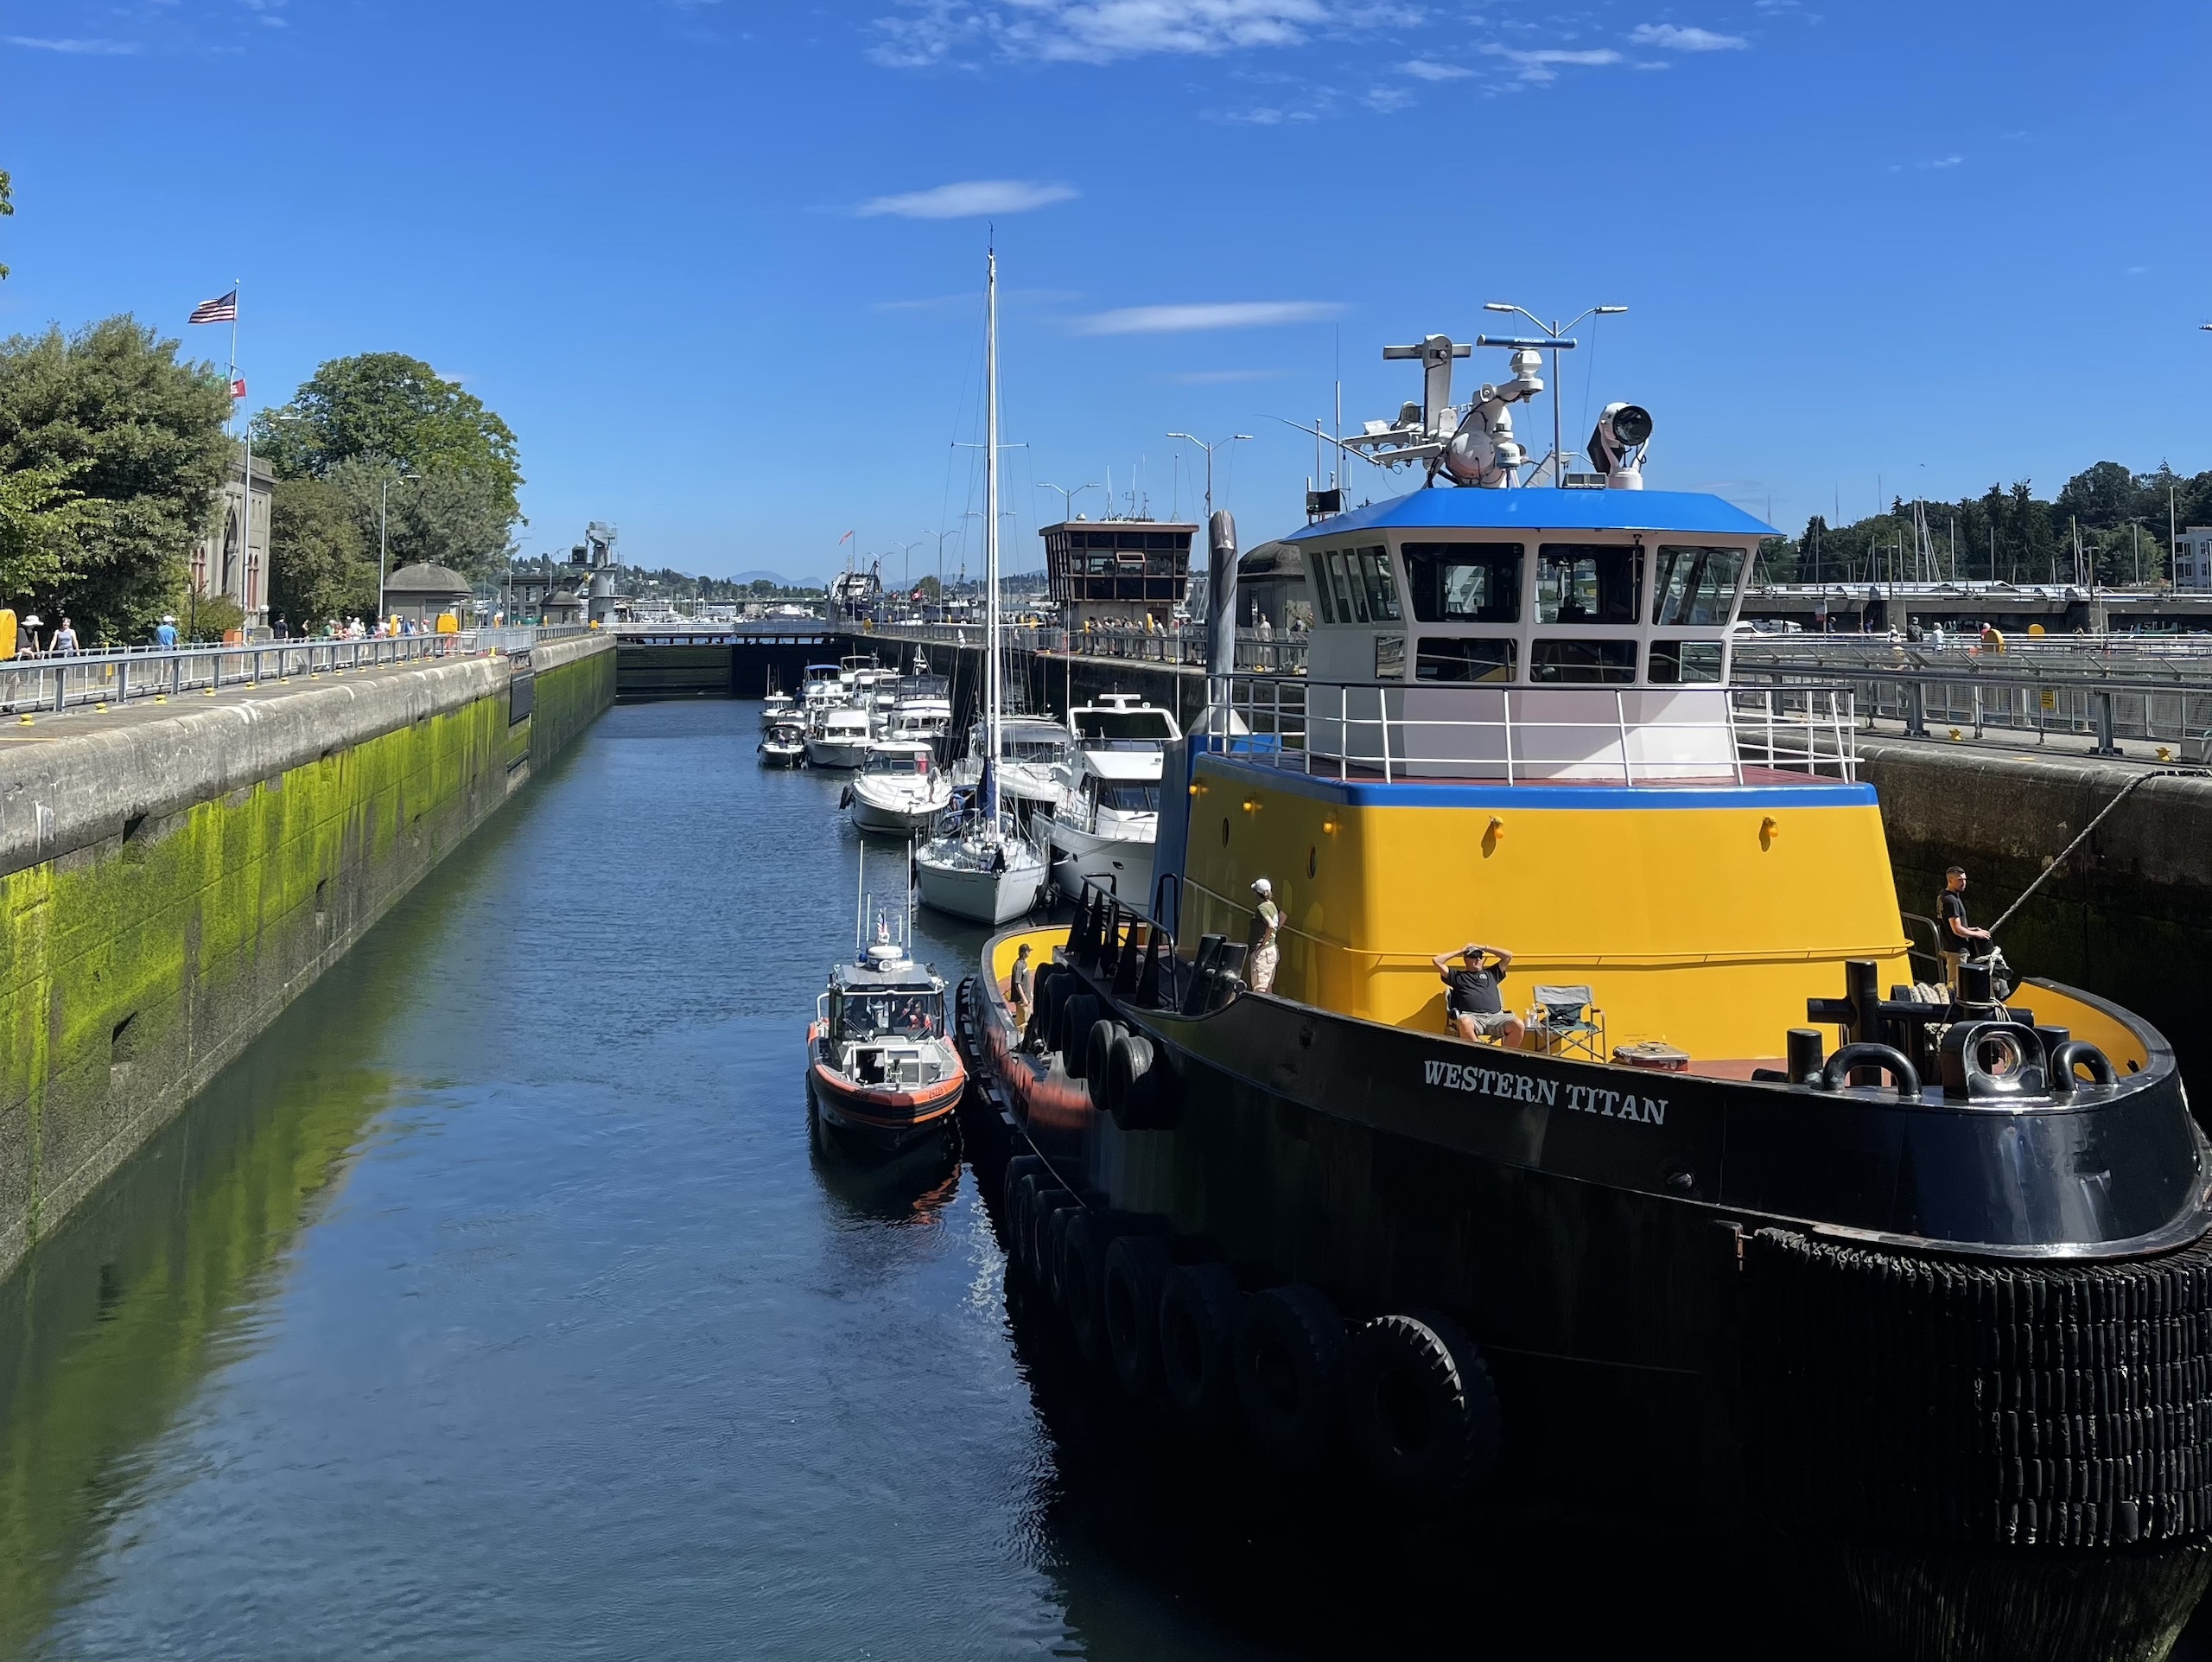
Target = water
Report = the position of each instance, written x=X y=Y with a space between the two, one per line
x=498 y=1305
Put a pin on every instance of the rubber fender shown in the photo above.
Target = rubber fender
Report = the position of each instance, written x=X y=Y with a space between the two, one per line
x=1050 y=981
x=1081 y=1277
x=1077 y=1017
x=1016 y=1168
x=1290 y=1364
x=1139 y=1091
x=1098 y=1055
x=1047 y=1198
x=1137 y=1268
x=1052 y=1241
x=1421 y=1407
x=1199 y=1305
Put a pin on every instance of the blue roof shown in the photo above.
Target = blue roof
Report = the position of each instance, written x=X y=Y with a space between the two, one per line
x=1545 y=508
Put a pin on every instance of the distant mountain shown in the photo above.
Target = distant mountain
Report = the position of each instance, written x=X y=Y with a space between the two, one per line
x=755 y=576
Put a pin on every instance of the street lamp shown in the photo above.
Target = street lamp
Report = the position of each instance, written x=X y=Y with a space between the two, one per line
x=383 y=540
x=1067 y=509
x=1218 y=444
x=1554 y=331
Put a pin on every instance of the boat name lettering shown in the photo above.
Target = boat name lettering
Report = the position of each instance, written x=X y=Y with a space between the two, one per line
x=1523 y=1087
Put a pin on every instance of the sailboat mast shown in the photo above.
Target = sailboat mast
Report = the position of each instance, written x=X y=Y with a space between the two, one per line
x=991 y=671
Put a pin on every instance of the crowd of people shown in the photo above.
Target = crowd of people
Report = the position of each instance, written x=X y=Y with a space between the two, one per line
x=31 y=641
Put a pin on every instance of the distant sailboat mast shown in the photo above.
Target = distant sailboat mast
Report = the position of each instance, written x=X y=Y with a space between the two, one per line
x=991 y=671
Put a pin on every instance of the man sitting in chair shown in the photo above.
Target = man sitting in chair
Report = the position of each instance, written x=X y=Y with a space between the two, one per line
x=1471 y=1005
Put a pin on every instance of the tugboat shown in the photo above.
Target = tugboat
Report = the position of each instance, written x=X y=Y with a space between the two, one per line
x=1914 y=1278
x=883 y=1074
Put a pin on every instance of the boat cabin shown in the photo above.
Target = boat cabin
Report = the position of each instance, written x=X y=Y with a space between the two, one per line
x=913 y=757
x=1120 y=721
x=883 y=1023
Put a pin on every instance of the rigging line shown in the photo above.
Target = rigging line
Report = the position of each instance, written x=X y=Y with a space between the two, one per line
x=2059 y=859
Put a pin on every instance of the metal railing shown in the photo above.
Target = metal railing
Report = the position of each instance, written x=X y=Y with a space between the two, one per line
x=1256 y=654
x=2020 y=702
x=1607 y=735
x=59 y=683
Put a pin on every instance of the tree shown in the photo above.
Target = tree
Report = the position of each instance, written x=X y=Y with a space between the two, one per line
x=455 y=520
x=40 y=517
x=110 y=413
x=385 y=403
x=320 y=566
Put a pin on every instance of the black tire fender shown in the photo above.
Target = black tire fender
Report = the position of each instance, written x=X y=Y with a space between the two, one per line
x=1139 y=1088
x=1199 y=1304
x=1098 y=1056
x=1009 y=1195
x=1052 y=1242
x=1044 y=1199
x=1072 y=1031
x=1423 y=1409
x=1137 y=1268
x=1081 y=1279
x=1290 y=1362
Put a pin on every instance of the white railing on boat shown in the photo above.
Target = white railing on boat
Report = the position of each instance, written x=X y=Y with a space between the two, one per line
x=1617 y=735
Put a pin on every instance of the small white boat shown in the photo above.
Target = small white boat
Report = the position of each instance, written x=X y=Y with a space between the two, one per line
x=777 y=706
x=899 y=789
x=839 y=737
x=1103 y=826
x=784 y=745
x=983 y=874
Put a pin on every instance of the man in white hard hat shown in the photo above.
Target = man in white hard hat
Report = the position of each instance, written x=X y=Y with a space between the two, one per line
x=1260 y=961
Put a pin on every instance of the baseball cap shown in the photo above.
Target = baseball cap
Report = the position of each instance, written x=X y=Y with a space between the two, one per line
x=1262 y=886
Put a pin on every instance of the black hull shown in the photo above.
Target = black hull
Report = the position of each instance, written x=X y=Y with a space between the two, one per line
x=1929 y=1342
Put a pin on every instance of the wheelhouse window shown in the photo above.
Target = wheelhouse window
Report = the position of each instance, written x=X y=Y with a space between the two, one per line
x=1675 y=662
x=1352 y=605
x=1693 y=587
x=1133 y=729
x=1473 y=658
x=1561 y=661
x=1464 y=582
x=1128 y=796
x=1372 y=567
x=917 y=1013
x=1584 y=583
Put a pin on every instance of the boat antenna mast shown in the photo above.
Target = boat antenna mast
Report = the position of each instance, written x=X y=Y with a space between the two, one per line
x=992 y=735
x=1474 y=446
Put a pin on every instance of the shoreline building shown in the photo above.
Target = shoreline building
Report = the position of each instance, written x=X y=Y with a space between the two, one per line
x=2193 y=560
x=1117 y=572
x=232 y=558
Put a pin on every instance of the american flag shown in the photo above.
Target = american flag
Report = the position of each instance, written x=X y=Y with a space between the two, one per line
x=223 y=309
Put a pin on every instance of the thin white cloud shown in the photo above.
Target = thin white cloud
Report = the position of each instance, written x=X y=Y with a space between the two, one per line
x=1229 y=314
x=926 y=32
x=1674 y=37
x=1541 y=65
x=1386 y=101
x=1425 y=69
x=97 y=49
x=970 y=199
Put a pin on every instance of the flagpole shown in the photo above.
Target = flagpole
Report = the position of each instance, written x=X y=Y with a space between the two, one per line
x=245 y=428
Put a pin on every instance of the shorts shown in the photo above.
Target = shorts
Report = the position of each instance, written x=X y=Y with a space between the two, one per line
x=1486 y=1021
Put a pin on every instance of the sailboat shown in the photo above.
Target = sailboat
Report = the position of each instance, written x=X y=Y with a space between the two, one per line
x=984 y=868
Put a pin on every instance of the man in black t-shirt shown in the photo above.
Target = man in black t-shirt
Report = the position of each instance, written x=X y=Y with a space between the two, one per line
x=1958 y=938
x=1471 y=1004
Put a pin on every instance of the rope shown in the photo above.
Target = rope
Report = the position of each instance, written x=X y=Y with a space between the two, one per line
x=2060 y=857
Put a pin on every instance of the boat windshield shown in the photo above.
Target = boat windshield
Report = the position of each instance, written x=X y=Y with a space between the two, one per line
x=897 y=761
x=1128 y=796
x=879 y=1014
x=1118 y=728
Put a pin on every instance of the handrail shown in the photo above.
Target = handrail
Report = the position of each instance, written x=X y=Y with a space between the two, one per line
x=53 y=683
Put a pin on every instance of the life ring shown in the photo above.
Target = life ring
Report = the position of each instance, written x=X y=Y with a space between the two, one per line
x=1098 y=1055
x=1137 y=1268
x=1290 y=1356
x=1422 y=1409
x=1199 y=1304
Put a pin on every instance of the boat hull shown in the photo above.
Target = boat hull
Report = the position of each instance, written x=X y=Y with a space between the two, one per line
x=989 y=897
x=1716 y=1291
x=773 y=757
x=1122 y=865
x=900 y=819
x=882 y=1121
x=837 y=752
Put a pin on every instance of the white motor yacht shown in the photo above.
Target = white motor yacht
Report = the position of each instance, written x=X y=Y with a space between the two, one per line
x=775 y=707
x=1103 y=825
x=784 y=745
x=899 y=789
x=1032 y=750
x=839 y=737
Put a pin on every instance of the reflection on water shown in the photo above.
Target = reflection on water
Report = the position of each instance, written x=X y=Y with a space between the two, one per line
x=502 y=1302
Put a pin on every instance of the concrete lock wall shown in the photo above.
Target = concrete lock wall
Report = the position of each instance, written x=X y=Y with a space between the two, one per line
x=170 y=884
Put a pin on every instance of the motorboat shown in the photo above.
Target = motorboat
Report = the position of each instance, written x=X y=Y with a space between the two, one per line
x=839 y=737
x=899 y=789
x=1731 y=1195
x=1103 y=827
x=882 y=1071
x=775 y=707
x=821 y=687
x=983 y=866
x=1032 y=752
x=784 y=745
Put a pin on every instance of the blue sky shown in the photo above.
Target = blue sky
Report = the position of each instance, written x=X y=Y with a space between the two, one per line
x=719 y=264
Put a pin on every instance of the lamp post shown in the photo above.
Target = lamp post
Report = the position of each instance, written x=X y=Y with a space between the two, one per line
x=1554 y=331
x=383 y=541
x=1218 y=444
x=1067 y=507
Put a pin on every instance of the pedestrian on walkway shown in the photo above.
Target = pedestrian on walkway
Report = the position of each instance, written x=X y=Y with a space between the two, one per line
x=65 y=638
x=165 y=635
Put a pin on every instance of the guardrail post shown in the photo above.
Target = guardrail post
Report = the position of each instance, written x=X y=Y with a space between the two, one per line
x=60 y=687
x=1916 y=723
x=2105 y=746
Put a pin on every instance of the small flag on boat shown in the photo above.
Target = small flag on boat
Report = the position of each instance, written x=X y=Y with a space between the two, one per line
x=238 y=387
x=223 y=309
x=842 y=540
